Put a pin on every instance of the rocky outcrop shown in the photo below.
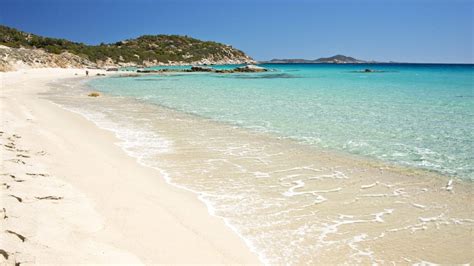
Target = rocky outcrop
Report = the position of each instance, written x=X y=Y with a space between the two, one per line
x=250 y=68
x=368 y=70
x=247 y=68
x=201 y=69
x=19 y=58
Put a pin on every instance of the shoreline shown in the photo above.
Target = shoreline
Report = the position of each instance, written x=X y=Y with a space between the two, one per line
x=168 y=179
x=416 y=152
x=393 y=200
x=345 y=155
x=349 y=190
x=143 y=220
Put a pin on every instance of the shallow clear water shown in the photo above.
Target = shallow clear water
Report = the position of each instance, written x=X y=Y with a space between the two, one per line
x=284 y=186
x=414 y=115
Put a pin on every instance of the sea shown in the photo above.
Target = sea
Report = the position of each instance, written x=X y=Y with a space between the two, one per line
x=308 y=163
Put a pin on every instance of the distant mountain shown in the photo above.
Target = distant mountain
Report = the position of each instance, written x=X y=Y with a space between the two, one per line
x=337 y=59
x=146 y=50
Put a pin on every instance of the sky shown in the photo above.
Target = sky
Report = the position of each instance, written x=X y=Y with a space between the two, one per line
x=430 y=31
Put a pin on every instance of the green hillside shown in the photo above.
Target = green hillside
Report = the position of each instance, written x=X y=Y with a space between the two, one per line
x=162 y=48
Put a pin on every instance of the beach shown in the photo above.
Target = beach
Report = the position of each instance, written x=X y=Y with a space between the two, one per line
x=70 y=195
x=118 y=178
x=240 y=133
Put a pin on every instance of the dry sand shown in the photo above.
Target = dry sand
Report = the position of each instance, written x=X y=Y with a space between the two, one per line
x=70 y=195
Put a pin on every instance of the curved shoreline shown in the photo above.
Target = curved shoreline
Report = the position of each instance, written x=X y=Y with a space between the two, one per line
x=367 y=181
x=373 y=161
x=411 y=147
x=145 y=218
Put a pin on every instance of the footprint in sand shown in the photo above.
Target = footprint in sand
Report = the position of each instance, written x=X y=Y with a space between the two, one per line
x=4 y=254
x=36 y=174
x=17 y=198
x=4 y=211
x=21 y=237
x=49 y=198
x=10 y=146
x=18 y=161
x=13 y=177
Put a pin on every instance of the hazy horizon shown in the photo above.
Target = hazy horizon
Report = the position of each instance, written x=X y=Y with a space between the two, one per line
x=399 y=31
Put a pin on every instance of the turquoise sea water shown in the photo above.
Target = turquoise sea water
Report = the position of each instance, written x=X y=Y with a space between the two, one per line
x=419 y=116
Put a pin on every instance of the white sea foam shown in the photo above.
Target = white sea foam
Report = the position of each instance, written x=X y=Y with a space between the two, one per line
x=141 y=149
x=431 y=219
x=334 y=175
x=296 y=205
x=261 y=174
x=300 y=184
x=379 y=216
x=369 y=186
x=449 y=185
x=420 y=206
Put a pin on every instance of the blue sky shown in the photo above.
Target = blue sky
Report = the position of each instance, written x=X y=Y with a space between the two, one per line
x=383 y=30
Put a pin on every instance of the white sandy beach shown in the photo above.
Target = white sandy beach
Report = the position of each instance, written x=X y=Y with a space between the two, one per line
x=70 y=195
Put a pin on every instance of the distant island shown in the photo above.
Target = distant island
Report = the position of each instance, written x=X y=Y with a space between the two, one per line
x=337 y=59
x=18 y=48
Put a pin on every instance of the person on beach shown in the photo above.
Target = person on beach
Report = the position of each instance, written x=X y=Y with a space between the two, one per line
x=87 y=72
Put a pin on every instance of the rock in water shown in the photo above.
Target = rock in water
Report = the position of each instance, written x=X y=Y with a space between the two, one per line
x=201 y=69
x=250 y=68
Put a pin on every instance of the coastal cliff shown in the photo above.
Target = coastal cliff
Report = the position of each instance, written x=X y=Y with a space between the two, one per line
x=21 y=58
x=21 y=49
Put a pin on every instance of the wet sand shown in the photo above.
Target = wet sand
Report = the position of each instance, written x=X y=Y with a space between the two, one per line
x=70 y=195
x=293 y=203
